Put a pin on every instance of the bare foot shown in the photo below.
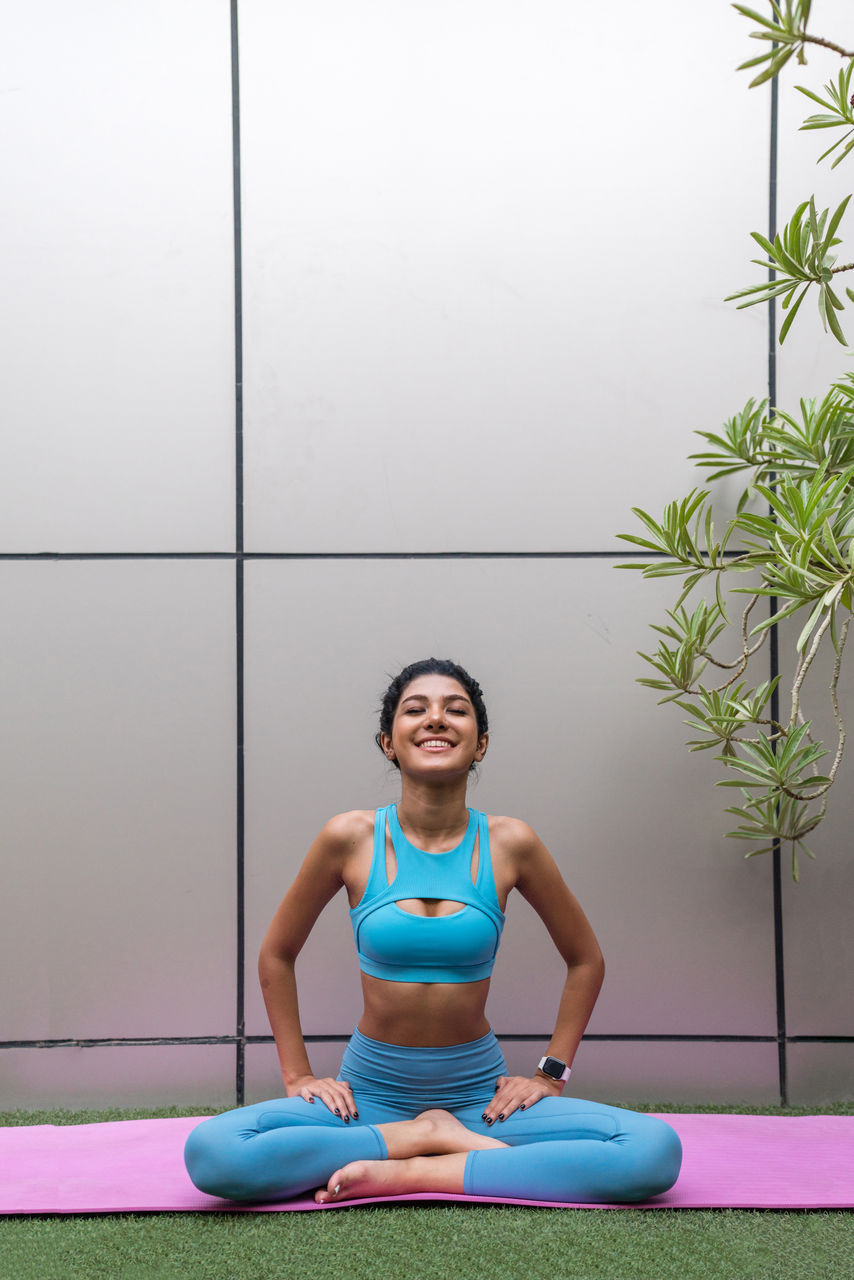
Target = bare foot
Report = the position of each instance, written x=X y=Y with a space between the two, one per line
x=425 y=1154
x=369 y=1178
x=443 y=1134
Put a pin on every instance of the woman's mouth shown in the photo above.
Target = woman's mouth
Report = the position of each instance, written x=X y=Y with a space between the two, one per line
x=435 y=744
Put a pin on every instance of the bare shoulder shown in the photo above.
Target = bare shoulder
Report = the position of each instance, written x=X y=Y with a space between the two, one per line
x=517 y=852
x=512 y=836
x=346 y=844
x=347 y=829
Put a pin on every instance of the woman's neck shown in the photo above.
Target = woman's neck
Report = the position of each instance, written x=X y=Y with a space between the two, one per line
x=432 y=812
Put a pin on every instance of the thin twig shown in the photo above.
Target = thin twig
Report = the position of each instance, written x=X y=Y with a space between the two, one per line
x=825 y=44
x=805 y=664
x=740 y=664
x=834 y=697
x=840 y=724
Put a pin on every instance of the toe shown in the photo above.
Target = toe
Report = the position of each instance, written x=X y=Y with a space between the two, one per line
x=331 y=1190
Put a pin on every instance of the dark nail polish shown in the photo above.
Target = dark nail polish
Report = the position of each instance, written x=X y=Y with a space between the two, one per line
x=501 y=1117
x=489 y=1120
x=521 y=1106
x=355 y=1115
x=311 y=1099
x=337 y=1112
x=346 y=1119
x=483 y=1117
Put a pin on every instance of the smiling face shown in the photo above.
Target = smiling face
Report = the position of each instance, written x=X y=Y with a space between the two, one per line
x=435 y=728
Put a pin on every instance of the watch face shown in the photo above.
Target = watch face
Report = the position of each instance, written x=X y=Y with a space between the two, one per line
x=553 y=1067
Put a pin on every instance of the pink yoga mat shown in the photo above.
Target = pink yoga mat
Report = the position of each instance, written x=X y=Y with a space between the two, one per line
x=740 y=1162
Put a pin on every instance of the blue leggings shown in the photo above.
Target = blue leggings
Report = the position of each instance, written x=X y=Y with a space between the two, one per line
x=561 y=1149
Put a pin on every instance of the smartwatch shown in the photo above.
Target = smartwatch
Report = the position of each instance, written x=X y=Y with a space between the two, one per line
x=554 y=1069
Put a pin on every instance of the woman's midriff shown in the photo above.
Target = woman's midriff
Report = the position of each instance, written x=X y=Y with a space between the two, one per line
x=429 y=1014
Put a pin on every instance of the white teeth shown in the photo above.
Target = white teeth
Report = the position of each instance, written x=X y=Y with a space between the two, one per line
x=434 y=742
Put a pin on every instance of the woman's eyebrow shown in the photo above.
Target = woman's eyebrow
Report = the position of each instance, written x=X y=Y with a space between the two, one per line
x=447 y=697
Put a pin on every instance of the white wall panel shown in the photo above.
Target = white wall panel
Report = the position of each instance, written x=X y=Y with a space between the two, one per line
x=118 y=1076
x=117 y=326
x=117 y=915
x=634 y=1073
x=263 y=1074
x=485 y=255
x=818 y=938
x=821 y=1073
x=578 y=749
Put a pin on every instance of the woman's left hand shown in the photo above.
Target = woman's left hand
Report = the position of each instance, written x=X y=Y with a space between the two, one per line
x=517 y=1093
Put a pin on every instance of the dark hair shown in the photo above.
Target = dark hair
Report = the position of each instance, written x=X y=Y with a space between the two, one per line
x=430 y=667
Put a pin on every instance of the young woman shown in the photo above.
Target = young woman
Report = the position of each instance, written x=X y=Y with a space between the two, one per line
x=423 y=1101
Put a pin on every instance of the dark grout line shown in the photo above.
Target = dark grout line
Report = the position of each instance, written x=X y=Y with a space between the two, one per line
x=240 y=869
x=773 y=648
x=131 y=1042
x=53 y=556
x=617 y=554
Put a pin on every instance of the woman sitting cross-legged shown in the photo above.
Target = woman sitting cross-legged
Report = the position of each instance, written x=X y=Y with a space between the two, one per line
x=423 y=1101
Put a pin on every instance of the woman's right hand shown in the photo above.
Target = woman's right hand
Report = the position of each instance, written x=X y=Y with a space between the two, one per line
x=335 y=1094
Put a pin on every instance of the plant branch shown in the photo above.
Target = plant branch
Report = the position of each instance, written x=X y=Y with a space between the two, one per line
x=825 y=44
x=840 y=724
x=804 y=666
x=740 y=664
x=834 y=697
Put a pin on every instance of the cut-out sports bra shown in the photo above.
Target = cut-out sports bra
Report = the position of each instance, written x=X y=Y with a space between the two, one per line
x=402 y=947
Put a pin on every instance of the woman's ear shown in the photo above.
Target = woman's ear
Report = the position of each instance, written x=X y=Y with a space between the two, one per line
x=482 y=744
x=385 y=743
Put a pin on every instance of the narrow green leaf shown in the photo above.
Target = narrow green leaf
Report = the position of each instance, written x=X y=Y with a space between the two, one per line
x=756 y=17
x=808 y=629
x=808 y=93
x=774 y=69
x=837 y=218
x=848 y=149
x=763 y=242
x=835 y=327
x=787 y=323
x=831 y=149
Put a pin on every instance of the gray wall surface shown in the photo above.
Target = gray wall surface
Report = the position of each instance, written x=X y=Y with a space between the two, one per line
x=470 y=314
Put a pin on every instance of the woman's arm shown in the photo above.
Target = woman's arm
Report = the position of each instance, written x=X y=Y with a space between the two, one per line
x=540 y=882
x=318 y=880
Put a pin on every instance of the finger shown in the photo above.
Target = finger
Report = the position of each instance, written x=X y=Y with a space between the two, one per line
x=497 y=1106
x=340 y=1101
x=534 y=1097
x=348 y=1104
x=336 y=1103
x=506 y=1108
x=507 y=1100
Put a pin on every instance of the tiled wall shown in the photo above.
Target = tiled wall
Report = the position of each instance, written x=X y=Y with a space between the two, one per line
x=469 y=315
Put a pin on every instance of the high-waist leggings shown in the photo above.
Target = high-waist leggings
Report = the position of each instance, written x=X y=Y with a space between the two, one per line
x=562 y=1149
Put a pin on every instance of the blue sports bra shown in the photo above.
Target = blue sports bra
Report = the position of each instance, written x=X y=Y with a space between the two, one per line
x=401 y=947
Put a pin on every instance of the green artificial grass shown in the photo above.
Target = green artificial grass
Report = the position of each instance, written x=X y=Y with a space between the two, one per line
x=477 y=1243
x=424 y=1242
